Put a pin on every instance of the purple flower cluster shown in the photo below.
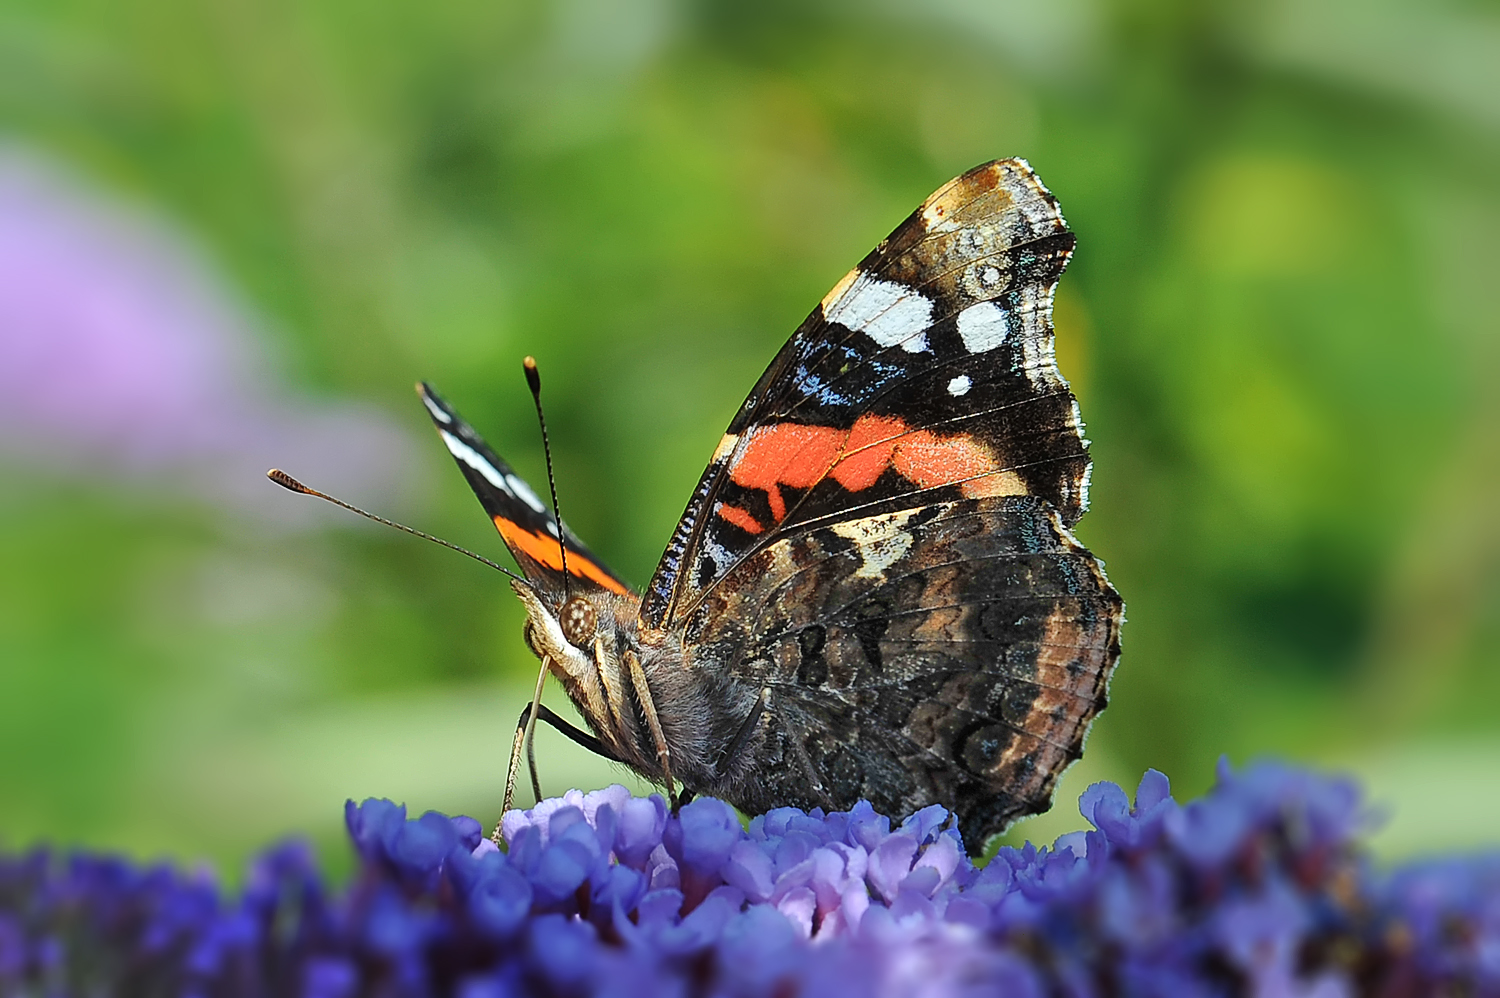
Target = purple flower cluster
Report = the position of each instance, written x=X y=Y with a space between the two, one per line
x=1256 y=889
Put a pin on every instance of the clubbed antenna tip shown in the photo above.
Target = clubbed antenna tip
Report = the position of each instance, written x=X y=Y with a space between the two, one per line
x=288 y=482
x=533 y=377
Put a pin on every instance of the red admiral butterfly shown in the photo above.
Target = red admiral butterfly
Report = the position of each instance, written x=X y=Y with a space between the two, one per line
x=874 y=591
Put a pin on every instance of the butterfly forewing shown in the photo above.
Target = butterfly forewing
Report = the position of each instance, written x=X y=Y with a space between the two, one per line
x=524 y=521
x=881 y=550
x=926 y=375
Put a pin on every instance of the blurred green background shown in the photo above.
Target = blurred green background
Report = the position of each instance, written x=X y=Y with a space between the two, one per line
x=234 y=232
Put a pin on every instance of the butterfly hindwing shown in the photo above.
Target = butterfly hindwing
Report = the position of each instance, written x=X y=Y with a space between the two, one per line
x=925 y=375
x=953 y=653
x=524 y=521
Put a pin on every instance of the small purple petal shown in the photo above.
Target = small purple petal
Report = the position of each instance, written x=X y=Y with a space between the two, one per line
x=470 y=832
x=866 y=828
x=639 y=829
x=373 y=825
x=659 y=908
x=501 y=899
x=923 y=881
x=620 y=887
x=1108 y=809
x=1207 y=832
x=926 y=821
x=709 y=831
x=760 y=947
x=561 y=870
x=750 y=869
x=662 y=870
x=419 y=846
x=889 y=865
x=942 y=855
x=329 y=977
x=1154 y=789
x=564 y=950
x=799 y=906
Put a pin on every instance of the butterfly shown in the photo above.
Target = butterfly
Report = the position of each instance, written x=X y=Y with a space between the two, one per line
x=874 y=591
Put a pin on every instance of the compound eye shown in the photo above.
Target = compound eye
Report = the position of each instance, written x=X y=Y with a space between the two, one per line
x=578 y=620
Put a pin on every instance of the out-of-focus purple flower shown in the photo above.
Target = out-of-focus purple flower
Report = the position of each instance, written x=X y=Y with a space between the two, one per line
x=1443 y=916
x=419 y=847
x=121 y=353
x=373 y=826
x=329 y=977
x=1256 y=889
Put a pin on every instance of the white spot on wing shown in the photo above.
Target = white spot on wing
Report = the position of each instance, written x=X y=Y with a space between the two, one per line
x=959 y=385
x=437 y=411
x=719 y=557
x=982 y=327
x=880 y=541
x=891 y=314
x=470 y=456
x=522 y=491
x=509 y=484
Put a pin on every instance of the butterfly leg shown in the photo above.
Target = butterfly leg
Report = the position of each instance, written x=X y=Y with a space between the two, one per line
x=648 y=706
x=561 y=724
x=613 y=695
x=583 y=738
x=523 y=735
x=574 y=734
x=512 y=771
x=536 y=783
x=747 y=727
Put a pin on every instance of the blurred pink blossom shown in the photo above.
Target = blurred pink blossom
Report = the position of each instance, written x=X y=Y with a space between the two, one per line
x=123 y=355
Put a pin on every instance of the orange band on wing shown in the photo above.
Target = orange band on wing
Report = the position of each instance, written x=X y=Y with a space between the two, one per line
x=545 y=550
x=799 y=456
x=867 y=451
x=740 y=518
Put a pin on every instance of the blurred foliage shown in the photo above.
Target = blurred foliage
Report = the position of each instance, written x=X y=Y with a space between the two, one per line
x=1281 y=321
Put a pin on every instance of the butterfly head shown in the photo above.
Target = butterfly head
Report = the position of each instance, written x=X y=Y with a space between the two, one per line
x=584 y=640
x=578 y=622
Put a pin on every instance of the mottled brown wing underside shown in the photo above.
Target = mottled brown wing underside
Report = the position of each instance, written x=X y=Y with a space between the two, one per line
x=952 y=654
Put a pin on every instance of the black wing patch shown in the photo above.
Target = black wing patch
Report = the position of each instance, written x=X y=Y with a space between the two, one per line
x=524 y=521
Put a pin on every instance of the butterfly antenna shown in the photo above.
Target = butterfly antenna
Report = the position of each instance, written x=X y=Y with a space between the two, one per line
x=534 y=382
x=292 y=485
